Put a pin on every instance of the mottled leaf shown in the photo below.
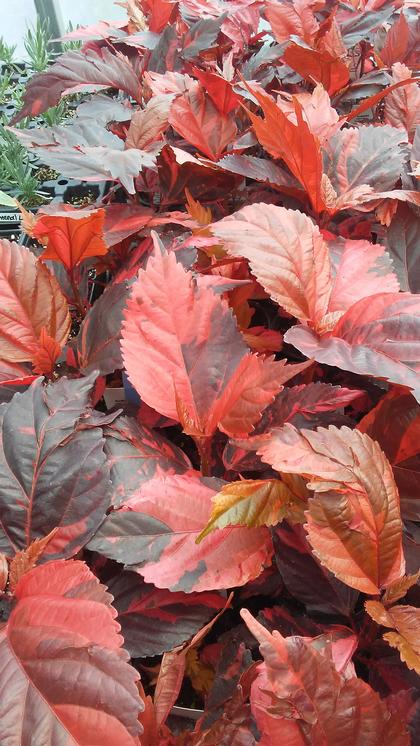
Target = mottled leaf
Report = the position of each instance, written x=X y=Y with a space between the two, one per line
x=102 y=69
x=137 y=454
x=31 y=300
x=286 y=253
x=155 y=532
x=299 y=696
x=353 y=522
x=395 y=424
x=62 y=630
x=207 y=381
x=403 y=241
x=359 y=268
x=378 y=336
x=149 y=123
x=304 y=576
x=153 y=620
x=402 y=105
x=369 y=156
x=250 y=502
x=288 y=19
x=52 y=475
x=98 y=341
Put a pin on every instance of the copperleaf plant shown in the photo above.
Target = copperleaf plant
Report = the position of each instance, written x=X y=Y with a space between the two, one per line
x=239 y=534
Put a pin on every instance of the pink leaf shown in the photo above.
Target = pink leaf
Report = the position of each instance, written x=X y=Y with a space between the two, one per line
x=155 y=533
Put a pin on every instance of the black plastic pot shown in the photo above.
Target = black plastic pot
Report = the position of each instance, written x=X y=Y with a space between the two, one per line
x=75 y=192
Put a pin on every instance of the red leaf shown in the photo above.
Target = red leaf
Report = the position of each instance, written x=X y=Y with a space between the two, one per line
x=148 y=124
x=185 y=356
x=300 y=697
x=155 y=533
x=287 y=19
x=46 y=355
x=162 y=12
x=396 y=42
x=354 y=524
x=194 y=116
x=377 y=336
x=395 y=424
x=71 y=235
x=319 y=66
x=294 y=144
x=31 y=301
x=219 y=89
x=64 y=623
x=136 y=455
x=402 y=106
x=103 y=69
x=287 y=255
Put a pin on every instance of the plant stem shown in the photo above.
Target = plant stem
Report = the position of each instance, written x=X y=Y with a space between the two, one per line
x=204 y=449
x=76 y=294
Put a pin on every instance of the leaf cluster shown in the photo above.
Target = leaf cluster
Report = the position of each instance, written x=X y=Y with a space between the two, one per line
x=242 y=533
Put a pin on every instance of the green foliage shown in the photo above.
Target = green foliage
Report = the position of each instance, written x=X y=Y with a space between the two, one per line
x=17 y=172
x=7 y=52
x=36 y=41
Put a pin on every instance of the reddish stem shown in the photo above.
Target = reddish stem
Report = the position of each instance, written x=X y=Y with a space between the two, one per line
x=76 y=294
x=204 y=450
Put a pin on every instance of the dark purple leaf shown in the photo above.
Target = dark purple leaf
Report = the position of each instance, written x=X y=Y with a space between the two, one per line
x=136 y=455
x=154 y=620
x=51 y=474
x=98 y=341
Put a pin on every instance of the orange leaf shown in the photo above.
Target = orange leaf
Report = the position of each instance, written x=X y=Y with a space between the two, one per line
x=194 y=116
x=400 y=588
x=318 y=66
x=406 y=622
x=353 y=522
x=199 y=213
x=31 y=301
x=71 y=236
x=293 y=143
x=47 y=353
x=26 y=559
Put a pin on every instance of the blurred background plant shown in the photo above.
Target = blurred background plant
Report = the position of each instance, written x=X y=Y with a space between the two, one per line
x=7 y=52
x=36 y=41
x=17 y=172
